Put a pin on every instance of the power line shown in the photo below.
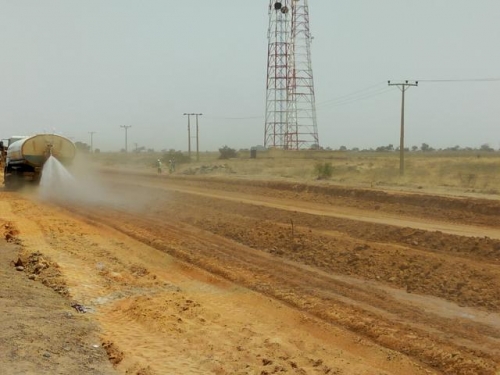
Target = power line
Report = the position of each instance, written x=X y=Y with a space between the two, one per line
x=377 y=89
x=356 y=99
x=380 y=84
x=460 y=80
x=321 y=106
x=362 y=94
x=235 y=118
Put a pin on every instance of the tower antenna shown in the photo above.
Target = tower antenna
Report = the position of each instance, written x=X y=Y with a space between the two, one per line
x=290 y=100
x=278 y=55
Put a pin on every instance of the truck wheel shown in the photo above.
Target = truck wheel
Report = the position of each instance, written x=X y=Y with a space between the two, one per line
x=11 y=180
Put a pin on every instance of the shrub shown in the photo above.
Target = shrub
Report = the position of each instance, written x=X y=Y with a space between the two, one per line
x=323 y=170
x=227 y=153
x=178 y=156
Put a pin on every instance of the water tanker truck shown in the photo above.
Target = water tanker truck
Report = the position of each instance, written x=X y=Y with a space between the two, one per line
x=26 y=156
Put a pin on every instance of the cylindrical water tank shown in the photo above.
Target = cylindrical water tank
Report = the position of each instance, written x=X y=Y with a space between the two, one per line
x=36 y=149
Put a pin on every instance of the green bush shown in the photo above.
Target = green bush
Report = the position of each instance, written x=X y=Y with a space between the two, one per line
x=227 y=153
x=323 y=170
x=178 y=156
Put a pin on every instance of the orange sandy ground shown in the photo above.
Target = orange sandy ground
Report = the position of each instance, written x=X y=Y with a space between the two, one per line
x=200 y=277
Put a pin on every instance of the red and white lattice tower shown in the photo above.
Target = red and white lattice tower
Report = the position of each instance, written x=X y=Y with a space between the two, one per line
x=279 y=36
x=303 y=130
x=290 y=102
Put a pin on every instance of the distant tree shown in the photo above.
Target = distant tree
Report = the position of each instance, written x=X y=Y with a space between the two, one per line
x=414 y=148
x=178 y=156
x=343 y=148
x=97 y=151
x=389 y=147
x=227 y=153
x=355 y=149
x=426 y=148
x=150 y=150
x=486 y=147
x=315 y=146
x=83 y=147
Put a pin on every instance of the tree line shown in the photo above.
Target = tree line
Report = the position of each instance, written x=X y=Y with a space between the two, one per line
x=423 y=148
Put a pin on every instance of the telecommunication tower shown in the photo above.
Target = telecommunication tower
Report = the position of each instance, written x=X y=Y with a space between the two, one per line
x=290 y=101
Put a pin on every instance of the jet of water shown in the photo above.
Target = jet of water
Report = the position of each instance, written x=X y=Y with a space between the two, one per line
x=56 y=181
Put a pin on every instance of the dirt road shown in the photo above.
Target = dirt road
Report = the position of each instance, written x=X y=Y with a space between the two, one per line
x=199 y=276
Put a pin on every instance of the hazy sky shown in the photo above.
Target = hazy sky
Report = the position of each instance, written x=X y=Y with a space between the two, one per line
x=78 y=66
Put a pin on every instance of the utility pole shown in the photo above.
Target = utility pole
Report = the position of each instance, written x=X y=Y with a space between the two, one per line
x=197 y=137
x=189 y=133
x=126 y=127
x=92 y=141
x=403 y=87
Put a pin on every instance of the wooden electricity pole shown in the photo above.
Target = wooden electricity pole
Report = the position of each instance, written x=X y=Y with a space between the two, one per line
x=403 y=87
x=189 y=133
x=92 y=141
x=197 y=137
x=126 y=127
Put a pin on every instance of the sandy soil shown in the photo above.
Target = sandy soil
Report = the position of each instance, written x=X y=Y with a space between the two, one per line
x=41 y=332
x=199 y=275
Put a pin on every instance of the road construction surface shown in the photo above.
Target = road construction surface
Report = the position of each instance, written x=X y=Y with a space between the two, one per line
x=226 y=276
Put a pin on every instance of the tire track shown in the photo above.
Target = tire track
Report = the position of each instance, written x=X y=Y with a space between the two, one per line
x=321 y=296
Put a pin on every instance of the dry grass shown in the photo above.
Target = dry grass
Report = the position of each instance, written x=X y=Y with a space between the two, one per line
x=473 y=172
